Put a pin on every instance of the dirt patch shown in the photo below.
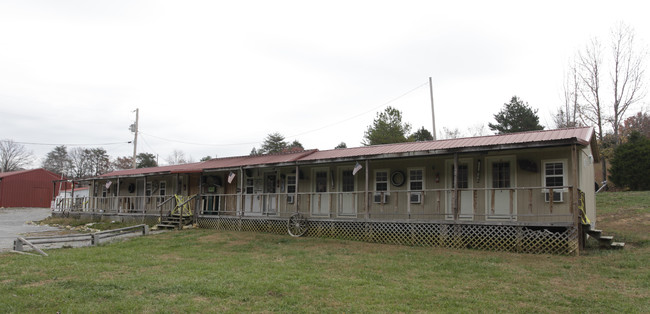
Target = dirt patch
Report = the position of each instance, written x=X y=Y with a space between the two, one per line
x=39 y=283
x=171 y=257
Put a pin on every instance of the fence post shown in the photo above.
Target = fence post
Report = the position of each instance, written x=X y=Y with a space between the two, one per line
x=94 y=239
x=145 y=230
x=18 y=245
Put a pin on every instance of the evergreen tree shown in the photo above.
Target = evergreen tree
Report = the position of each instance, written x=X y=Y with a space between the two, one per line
x=273 y=143
x=516 y=116
x=58 y=160
x=631 y=163
x=145 y=160
x=387 y=128
x=421 y=135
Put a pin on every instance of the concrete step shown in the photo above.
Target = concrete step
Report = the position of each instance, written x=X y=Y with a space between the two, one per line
x=594 y=232
x=617 y=245
x=605 y=238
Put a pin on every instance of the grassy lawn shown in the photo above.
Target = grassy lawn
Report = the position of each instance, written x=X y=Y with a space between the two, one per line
x=216 y=271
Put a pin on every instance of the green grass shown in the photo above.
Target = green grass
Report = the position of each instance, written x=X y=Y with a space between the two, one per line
x=626 y=215
x=216 y=271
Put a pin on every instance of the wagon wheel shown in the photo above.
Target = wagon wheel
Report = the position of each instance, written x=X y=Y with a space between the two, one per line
x=297 y=225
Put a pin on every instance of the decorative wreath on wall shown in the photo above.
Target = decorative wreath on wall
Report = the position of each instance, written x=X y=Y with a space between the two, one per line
x=397 y=178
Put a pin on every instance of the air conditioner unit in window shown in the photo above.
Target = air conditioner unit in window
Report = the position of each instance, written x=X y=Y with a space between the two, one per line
x=290 y=198
x=379 y=199
x=558 y=197
x=416 y=197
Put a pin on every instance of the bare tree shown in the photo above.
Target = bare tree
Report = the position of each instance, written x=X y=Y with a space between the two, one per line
x=80 y=160
x=448 y=133
x=567 y=114
x=177 y=157
x=627 y=75
x=477 y=130
x=13 y=156
x=589 y=65
x=591 y=112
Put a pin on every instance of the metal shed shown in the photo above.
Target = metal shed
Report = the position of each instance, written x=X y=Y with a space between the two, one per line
x=28 y=188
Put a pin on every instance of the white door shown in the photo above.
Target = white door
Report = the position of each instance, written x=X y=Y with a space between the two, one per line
x=501 y=199
x=347 y=197
x=320 y=199
x=253 y=199
x=270 y=198
x=465 y=184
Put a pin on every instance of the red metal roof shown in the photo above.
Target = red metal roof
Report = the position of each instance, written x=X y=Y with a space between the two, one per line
x=581 y=135
x=218 y=163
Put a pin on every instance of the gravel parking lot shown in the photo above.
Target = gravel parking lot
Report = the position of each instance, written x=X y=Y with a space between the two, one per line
x=13 y=223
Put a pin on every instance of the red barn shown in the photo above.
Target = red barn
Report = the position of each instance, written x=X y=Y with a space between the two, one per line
x=27 y=188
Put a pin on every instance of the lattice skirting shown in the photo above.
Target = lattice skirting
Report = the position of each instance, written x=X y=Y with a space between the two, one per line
x=511 y=238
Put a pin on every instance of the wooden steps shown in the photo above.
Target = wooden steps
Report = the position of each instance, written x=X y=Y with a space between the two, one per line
x=174 y=222
x=604 y=241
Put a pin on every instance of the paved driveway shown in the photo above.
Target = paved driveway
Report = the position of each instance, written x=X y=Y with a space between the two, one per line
x=13 y=224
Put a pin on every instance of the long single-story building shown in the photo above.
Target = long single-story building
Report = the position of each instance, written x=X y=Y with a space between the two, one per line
x=526 y=192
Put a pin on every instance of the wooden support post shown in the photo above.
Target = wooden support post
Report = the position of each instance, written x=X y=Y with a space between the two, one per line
x=54 y=195
x=408 y=204
x=530 y=200
x=117 y=196
x=396 y=202
x=492 y=193
x=295 y=194
x=512 y=202
x=18 y=245
x=23 y=241
x=551 y=200
x=475 y=205
x=319 y=202
x=454 y=199
x=574 y=196
x=367 y=194
x=240 y=208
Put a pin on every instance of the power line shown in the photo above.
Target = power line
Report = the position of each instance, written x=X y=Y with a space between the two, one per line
x=147 y=143
x=360 y=114
x=64 y=144
x=299 y=134
x=199 y=144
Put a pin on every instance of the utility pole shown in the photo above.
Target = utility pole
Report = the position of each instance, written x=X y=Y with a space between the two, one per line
x=433 y=115
x=134 y=129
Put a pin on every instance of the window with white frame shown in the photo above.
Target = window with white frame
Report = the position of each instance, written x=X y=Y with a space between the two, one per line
x=291 y=183
x=554 y=175
x=162 y=189
x=381 y=180
x=416 y=179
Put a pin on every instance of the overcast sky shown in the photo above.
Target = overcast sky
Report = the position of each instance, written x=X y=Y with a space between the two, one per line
x=215 y=77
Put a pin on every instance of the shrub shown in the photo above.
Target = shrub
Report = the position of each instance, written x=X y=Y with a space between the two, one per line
x=631 y=163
